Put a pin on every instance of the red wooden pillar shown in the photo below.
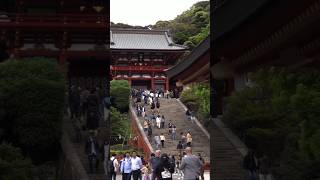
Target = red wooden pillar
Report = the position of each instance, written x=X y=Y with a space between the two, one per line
x=152 y=83
x=130 y=81
x=62 y=58
x=167 y=84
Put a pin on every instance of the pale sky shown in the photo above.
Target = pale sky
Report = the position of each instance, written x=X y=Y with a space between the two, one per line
x=146 y=12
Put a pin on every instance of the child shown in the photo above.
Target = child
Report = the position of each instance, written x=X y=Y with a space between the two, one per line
x=146 y=170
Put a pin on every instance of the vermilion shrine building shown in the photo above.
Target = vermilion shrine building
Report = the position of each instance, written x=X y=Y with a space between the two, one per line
x=142 y=56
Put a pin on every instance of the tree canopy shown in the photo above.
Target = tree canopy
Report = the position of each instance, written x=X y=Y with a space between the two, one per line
x=189 y=28
x=120 y=91
x=32 y=92
x=279 y=116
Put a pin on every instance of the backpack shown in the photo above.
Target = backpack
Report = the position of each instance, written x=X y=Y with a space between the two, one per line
x=111 y=166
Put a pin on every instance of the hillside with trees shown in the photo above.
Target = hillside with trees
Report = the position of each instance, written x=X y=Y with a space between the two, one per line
x=188 y=28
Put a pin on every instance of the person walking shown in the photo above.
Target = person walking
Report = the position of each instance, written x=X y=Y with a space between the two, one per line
x=249 y=163
x=145 y=126
x=183 y=140
x=92 y=151
x=113 y=167
x=188 y=114
x=173 y=132
x=146 y=170
x=150 y=133
x=192 y=116
x=155 y=162
x=136 y=166
x=163 y=139
x=158 y=121
x=164 y=170
x=190 y=165
x=189 y=139
x=202 y=168
x=264 y=168
x=180 y=147
x=143 y=110
x=178 y=162
x=157 y=141
x=126 y=167
x=163 y=120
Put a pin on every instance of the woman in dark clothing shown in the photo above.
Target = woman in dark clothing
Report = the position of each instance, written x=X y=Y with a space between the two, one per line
x=162 y=171
x=249 y=163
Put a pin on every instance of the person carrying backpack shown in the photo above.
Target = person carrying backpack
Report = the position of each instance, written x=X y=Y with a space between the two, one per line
x=113 y=167
x=164 y=170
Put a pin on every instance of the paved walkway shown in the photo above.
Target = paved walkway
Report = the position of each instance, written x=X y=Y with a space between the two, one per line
x=174 y=176
x=172 y=110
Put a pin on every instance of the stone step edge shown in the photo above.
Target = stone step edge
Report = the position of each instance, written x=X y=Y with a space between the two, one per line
x=196 y=120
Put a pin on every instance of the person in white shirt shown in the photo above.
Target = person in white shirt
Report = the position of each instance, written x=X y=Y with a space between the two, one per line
x=114 y=167
x=162 y=138
x=158 y=121
x=136 y=166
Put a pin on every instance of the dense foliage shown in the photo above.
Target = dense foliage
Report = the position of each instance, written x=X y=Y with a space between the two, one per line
x=197 y=98
x=279 y=116
x=189 y=28
x=120 y=91
x=13 y=165
x=120 y=123
x=32 y=92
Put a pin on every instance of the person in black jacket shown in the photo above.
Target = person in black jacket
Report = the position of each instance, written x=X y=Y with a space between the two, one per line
x=164 y=170
x=92 y=149
x=249 y=163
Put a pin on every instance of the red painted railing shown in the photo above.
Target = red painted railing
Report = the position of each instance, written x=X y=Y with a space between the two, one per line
x=140 y=140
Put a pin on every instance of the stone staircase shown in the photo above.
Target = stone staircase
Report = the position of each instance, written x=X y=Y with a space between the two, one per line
x=80 y=150
x=227 y=160
x=172 y=110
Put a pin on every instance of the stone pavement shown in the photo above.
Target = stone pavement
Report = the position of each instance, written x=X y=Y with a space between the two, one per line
x=174 y=176
x=172 y=110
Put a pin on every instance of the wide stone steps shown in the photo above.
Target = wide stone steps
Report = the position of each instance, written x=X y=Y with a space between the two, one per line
x=172 y=110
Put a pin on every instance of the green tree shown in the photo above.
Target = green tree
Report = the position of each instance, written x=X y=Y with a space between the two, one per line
x=13 y=165
x=190 y=26
x=279 y=116
x=33 y=93
x=197 y=97
x=120 y=123
x=120 y=91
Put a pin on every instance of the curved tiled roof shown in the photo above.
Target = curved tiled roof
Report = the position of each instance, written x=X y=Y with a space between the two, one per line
x=142 y=39
x=188 y=61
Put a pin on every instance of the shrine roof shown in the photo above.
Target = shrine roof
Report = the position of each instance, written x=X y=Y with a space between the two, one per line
x=191 y=59
x=143 y=39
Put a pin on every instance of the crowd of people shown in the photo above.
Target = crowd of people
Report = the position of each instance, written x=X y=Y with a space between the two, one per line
x=87 y=109
x=145 y=99
x=160 y=166
x=257 y=165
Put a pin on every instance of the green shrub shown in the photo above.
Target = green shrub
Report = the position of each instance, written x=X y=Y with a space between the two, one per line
x=279 y=116
x=33 y=92
x=197 y=98
x=13 y=165
x=120 y=123
x=120 y=91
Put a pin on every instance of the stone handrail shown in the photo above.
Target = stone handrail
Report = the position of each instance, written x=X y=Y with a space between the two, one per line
x=196 y=120
x=73 y=168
